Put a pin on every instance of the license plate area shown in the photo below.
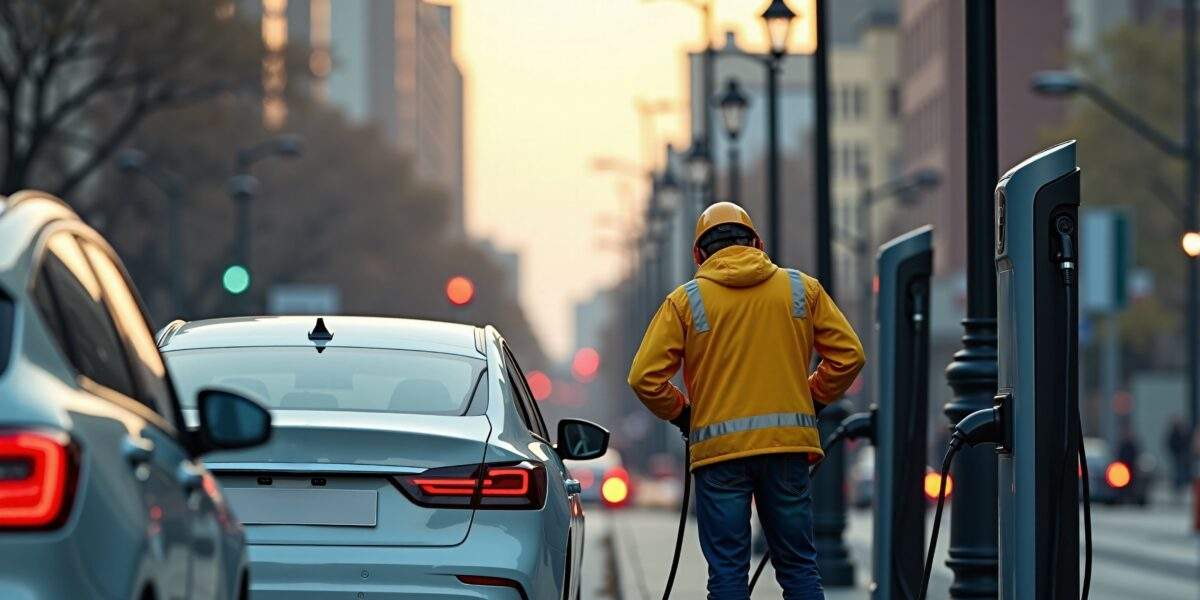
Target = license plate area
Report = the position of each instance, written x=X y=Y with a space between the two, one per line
x=282 y=506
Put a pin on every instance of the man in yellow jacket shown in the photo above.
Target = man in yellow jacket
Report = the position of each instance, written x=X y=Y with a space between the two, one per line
x=744 y=332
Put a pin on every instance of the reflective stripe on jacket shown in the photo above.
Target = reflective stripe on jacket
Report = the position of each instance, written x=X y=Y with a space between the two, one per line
x=744 y=332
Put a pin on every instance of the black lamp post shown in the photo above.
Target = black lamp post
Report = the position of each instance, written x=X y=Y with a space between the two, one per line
x=171 y=185
x=733 y=112
x=777 y=19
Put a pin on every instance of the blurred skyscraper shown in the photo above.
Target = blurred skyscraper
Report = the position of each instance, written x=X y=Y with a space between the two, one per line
x=385 y=62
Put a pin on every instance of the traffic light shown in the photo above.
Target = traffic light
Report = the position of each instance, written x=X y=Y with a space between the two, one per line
x=236 y=279
x=460 y=290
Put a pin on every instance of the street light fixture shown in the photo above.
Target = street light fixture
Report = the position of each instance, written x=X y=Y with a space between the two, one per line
x=1056 y=83
x=733 y=110
x=778 y=20
x=669 y=193
x=1191 y=243
x=698 y=164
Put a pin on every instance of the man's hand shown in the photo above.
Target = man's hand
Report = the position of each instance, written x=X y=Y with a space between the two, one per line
x=684 y=420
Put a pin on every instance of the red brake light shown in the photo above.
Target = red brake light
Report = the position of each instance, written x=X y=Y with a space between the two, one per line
x=494 y=582
x=1118 y=475
x=519 y=486
x=36 y=479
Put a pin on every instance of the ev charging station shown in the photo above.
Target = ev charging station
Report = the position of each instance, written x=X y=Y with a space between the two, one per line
x=901 y=414
x=1037 y=205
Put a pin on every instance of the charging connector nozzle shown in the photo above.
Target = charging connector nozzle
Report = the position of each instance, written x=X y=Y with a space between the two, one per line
x=980 y=427
x=858 y=425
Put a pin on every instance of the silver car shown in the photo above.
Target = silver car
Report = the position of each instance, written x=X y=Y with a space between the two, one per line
x=101 y=491
x=409 y=459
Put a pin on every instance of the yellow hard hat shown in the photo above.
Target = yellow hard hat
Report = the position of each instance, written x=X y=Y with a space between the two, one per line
x=720 y=214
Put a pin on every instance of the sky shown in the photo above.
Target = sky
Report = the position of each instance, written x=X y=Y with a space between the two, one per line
x=550 y=86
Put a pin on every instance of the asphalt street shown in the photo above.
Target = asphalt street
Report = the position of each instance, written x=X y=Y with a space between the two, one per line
x=1147 y=554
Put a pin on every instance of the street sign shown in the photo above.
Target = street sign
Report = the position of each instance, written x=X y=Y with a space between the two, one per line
x=304 y=299
x=1103 y=278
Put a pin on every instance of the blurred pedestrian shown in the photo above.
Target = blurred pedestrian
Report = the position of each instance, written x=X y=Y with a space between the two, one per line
x=744 y=332
x=1178 y=442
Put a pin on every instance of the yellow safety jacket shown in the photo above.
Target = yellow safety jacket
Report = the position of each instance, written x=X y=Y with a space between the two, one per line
x=744 y=331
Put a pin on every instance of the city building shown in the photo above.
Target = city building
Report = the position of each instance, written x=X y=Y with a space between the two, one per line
x=384 y=62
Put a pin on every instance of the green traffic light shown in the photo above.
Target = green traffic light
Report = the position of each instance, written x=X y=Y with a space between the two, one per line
x=236 y=279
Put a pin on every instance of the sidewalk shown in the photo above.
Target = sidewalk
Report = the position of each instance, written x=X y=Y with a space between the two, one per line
x=644 y=541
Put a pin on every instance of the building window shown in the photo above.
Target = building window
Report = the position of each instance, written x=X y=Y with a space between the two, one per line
x=894 y=101
x=860 y=101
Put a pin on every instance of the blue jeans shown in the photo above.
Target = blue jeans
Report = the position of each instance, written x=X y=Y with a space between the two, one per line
x=780 y=486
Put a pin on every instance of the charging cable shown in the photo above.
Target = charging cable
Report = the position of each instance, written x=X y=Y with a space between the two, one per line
x=1064 y=227
x=980 y=427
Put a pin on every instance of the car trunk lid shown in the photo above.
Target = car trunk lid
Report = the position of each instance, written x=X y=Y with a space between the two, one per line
x=327 y=478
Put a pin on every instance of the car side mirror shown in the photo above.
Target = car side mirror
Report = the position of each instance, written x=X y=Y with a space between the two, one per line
x=581 y=440
x=229 y=421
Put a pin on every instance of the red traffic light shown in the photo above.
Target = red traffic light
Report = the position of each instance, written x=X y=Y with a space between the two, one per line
x=585 y=364
x=460 y=290
x=539 y=384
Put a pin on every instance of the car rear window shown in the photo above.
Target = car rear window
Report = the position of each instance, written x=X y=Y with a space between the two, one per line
x=348 y=379
x=6 y=329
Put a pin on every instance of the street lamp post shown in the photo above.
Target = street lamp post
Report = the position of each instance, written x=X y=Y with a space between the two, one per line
x=243 y=187
x=733 y=110
x=973 y=552
x=171 y=185
x=777 y=19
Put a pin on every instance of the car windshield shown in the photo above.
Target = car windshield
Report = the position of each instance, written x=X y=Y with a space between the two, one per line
x=351 y=379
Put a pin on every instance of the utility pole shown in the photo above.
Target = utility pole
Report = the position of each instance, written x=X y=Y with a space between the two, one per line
x=829 y=490
x=973 y=514
x=1192 y=214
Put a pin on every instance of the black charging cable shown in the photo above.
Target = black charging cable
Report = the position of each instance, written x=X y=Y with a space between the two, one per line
x=980 y=427
x=683 y=515
x=1065 y=227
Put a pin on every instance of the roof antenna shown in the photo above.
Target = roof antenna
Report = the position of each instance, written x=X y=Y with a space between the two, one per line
x=320 y=333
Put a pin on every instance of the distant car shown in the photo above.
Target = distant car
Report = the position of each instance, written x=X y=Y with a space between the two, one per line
x=102 y=494
x=1117 y=482
x=604 y=480
x=409 y=459
x=862 y=478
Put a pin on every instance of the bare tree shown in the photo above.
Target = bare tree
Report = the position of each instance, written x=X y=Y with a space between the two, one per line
x=77 y=77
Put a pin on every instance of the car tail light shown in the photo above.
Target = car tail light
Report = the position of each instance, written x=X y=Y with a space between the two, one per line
x=511 y=486
x=614 y=487
x=933 y=485
x=37 y=479
x=1118 y=475
x=494 y=582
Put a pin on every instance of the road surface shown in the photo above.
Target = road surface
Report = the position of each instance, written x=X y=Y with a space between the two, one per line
x=1146 y=554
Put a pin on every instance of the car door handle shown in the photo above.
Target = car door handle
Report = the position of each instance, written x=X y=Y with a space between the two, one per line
x=189 y=477
x=573 y=487
x=137 y=450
